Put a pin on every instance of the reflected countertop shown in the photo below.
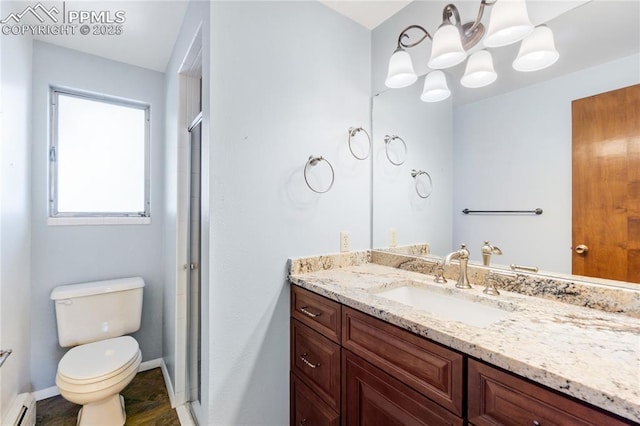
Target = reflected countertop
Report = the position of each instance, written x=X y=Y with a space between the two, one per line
x=587 y=353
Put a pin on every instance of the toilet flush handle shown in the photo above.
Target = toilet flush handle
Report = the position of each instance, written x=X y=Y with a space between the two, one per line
x=64 y=302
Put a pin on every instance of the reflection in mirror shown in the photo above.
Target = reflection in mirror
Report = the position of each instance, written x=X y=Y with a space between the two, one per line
x=426 y=131
x=510 y=151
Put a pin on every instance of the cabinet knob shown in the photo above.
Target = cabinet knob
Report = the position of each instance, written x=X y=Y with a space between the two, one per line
x=535 y=423
x=308 y=313
x=303 y=422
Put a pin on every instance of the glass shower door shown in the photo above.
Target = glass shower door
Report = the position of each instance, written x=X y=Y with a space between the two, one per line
x=194 y=390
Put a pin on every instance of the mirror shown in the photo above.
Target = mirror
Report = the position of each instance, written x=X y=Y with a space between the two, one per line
x=509 y=149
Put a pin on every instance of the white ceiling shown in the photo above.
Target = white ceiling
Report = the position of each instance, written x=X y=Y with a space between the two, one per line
x=148 y=36
x=368 y=13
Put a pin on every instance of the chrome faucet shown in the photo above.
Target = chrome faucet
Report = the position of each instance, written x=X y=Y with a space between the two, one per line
x=463 y=257
x=487 y=251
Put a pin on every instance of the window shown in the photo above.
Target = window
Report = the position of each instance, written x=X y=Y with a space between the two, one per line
x=99 y=159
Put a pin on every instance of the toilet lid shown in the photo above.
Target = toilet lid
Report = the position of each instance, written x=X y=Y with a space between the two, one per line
x=98 y=359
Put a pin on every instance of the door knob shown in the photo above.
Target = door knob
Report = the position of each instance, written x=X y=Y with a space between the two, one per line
x=582 y=249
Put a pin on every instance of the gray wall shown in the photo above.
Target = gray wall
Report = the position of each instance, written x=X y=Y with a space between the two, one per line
x=15 y=212
x=427 y=129
x=288 y=80
x=71 y=254
x=513 y=151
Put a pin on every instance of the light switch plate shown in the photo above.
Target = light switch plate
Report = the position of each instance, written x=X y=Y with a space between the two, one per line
x=393 y=237
x=345 y=242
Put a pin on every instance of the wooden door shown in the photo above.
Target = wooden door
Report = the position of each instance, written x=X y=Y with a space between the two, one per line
x=606 y=185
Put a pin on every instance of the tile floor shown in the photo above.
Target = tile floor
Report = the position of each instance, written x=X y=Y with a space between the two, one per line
x=146 y=402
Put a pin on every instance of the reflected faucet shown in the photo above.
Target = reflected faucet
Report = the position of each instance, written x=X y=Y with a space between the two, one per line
x=463 y=257
x=439 y=276
x=487 y=251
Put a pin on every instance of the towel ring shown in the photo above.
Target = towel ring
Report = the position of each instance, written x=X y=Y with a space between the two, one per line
x=312 y=162
x=353 y=131
x=387 y=140
x=414 y=174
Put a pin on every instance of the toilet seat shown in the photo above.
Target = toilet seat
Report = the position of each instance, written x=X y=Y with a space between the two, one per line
x=98 y=361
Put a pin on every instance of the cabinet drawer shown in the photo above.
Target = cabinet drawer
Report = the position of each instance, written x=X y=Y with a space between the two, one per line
x=372 y=397
x=499 y=398
x=319 y=313
x=429 y=368
x=307 y=409
x=316 y=360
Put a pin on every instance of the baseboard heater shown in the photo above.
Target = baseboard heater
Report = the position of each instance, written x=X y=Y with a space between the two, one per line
x=22 y=412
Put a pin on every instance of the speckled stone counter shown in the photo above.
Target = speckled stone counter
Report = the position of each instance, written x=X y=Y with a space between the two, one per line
x=587 y=353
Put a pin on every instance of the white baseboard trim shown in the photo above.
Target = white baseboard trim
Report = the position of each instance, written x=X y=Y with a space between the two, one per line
x=46 y=393
x=168 y=384
x=39 y=395
x=151 y=364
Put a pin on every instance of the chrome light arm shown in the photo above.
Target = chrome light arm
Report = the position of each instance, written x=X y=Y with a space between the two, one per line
x=470 y=32
x=404 y=35
x=476 y=23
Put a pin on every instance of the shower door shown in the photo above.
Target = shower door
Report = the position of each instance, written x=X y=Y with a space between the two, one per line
x=194 y=316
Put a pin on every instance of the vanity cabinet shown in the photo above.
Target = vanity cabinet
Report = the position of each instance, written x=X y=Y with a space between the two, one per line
x=315 y=359
x=500 y=398
x=350 y=368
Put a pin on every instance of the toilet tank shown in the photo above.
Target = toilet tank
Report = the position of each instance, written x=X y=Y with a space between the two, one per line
x=97 y=310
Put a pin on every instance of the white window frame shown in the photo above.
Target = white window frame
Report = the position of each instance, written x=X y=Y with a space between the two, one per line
x=90 y=218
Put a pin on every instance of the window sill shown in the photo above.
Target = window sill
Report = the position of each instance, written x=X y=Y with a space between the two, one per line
x=79 y=221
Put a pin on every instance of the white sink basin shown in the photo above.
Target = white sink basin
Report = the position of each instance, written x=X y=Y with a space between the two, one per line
x=445 y=306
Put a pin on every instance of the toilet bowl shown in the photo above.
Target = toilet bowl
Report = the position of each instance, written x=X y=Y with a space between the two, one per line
x=92 y=375
x=94 y=319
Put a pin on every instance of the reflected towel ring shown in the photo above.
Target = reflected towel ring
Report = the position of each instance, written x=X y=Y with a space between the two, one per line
x=387 y=141
x=414 y=174
x=353 y=131
x=312 y=162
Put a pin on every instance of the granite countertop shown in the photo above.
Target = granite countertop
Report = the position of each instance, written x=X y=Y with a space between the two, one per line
x=587 y=353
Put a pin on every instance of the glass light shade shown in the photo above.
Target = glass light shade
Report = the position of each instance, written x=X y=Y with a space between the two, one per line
x=538 y=51
x=435 y=87
x=509 y=23
x=479 y=71
x=446 y=50
x=401 y=73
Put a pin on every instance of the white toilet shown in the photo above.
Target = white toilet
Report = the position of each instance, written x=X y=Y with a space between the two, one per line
x=94 y=317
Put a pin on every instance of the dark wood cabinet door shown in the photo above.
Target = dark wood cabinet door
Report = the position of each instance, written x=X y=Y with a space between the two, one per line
x=307 y=409
x=316 y=360
x=431 y=369
x=372 y=397
x=499 y=398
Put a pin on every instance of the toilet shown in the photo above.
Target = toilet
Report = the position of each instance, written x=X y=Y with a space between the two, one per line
x=94 y=319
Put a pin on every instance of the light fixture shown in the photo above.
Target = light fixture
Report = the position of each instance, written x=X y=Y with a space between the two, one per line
x=537 y=51
x=479 y=71
x=446 y=50
x=509 y=23
x=435 y=87
x=401 y=73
